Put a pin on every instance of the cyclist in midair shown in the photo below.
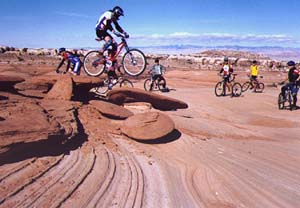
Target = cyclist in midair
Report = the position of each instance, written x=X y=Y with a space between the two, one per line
x=105 y=23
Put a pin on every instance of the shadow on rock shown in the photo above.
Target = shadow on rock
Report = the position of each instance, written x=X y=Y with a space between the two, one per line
x=171 y=137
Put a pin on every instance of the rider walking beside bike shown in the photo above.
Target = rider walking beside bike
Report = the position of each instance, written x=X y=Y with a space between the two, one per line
x=226 y=70
x=293 y=76
x=157 y=71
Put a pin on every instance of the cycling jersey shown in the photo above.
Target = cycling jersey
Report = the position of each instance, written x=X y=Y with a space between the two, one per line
x=293 y=74
x=72 y=59
x=105 y=20
x=254 y=70
x=226 y=70
x=157 y=69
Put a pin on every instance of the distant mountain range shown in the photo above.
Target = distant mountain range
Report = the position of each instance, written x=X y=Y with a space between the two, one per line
x=274 y=52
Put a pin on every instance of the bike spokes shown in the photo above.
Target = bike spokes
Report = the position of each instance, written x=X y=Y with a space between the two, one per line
x=134 y=62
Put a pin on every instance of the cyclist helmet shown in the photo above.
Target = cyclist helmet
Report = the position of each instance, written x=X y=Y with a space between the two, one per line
x=118 y=11
x=226 y=59
x=254 y=62
x=291 y=63
x=60 y=50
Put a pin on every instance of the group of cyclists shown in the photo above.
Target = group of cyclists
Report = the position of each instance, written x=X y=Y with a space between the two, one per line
x=291 y=83
x=104 y=24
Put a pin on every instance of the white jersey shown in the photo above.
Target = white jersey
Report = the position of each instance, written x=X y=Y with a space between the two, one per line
x=105 y=20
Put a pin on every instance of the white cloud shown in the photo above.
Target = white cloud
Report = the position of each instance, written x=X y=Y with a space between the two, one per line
x=215 y=38
x=72 y=14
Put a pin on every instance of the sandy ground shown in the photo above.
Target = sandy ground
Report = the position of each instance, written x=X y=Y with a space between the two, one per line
x=225 y=152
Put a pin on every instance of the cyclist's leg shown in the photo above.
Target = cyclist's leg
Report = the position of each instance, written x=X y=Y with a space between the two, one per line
x=164 y=80
x=294 y=93
x=153 y=79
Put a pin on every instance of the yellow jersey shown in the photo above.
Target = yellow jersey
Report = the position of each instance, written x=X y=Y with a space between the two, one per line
x=254 y=70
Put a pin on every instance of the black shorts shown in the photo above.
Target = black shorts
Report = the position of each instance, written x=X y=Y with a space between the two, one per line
x=102 y=34
x=253 y=77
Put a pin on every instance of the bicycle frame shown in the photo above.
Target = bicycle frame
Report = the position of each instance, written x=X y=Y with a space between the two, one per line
x=120 y=47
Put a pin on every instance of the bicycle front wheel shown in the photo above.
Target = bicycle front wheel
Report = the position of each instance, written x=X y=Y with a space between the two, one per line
x=246 y=86
x=126 y=83
x=280 y=101
x=134 y=62
x=236 y=90
x=219 y=89
x=92 y=64
x=147 y=84
x=160 y=84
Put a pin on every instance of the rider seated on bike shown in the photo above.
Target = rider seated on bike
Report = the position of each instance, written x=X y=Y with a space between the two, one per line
x=72 y=59
x=156 y=72
x=293 y=76
x=253 y=74
x=105 y=23
x=226 y=70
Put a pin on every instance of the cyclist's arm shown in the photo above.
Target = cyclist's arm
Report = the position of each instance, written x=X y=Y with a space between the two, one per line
x=60 y=64
x=68 y=65
x=118 y=27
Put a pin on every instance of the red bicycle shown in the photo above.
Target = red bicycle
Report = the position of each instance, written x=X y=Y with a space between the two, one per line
x=133 y=60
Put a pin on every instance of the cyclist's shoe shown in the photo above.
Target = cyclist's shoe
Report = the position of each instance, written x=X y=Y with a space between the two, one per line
x=110 y=86
x=57 y=71
x=114 y=81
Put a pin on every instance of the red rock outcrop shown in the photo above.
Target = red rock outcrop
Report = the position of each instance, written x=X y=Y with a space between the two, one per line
x=111 y=110
x=8 y=82
x=61 y=90
x=148 y=126
x=128 y=95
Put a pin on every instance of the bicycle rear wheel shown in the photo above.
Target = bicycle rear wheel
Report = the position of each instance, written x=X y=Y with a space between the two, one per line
x=126 y=83
x=92 y=65
x=280 y=101
x=134 y=62
x=147 y=84
x=219 y=89
x=236 y=90
x=260 y=87
x=246 y=86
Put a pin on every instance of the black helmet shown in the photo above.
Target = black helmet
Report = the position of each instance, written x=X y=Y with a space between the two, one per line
x=291 y=63
x=118 y=11
x=254 y=62
x=226 y=59
x=61 y=50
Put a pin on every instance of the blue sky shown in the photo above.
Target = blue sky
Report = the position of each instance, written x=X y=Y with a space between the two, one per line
x=70 y=23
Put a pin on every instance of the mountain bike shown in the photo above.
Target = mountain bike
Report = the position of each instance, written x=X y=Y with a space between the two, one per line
x=287 y=101
x=256 y=84
x=133 y=60
x=235 y=87
x=158 y=84
x=109 y=83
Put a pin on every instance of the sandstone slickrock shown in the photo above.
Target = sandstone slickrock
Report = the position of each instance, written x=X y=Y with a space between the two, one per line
x=8 y=82
x=128 y=95
x=61 y=90
x=148 y=126
x=111 y=110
